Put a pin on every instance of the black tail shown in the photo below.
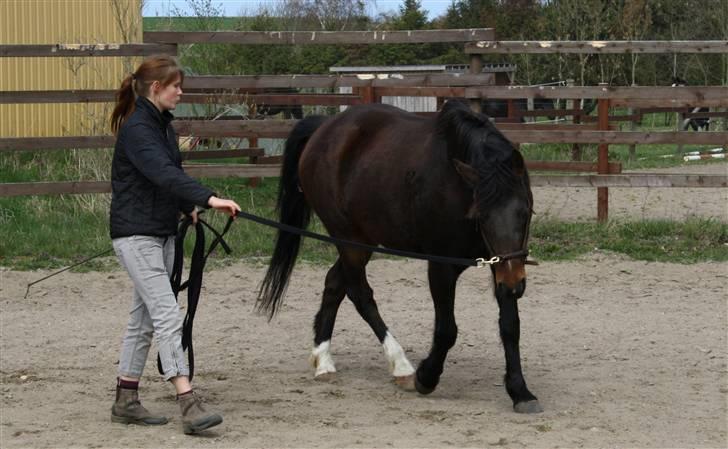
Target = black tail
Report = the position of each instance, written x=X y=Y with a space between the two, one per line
x=294 y=211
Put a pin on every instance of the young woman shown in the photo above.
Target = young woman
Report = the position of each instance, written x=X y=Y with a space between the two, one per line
x=149 y=191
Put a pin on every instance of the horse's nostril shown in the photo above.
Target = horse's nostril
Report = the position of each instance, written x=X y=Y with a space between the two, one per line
x=516 y=290
x=519 y=288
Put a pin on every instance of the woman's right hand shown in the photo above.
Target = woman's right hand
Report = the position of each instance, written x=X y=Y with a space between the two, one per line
x=230 y=207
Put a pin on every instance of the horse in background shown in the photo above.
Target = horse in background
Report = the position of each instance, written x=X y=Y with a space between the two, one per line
x=499 y=108
x=450 y=185
x=696 y=123
x=289 y=111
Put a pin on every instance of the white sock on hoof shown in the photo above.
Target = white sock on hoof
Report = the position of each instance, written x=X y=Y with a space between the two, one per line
x=321 y=359
x=399 y=365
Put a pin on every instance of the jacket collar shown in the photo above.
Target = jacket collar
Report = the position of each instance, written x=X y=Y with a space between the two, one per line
x=162 y=118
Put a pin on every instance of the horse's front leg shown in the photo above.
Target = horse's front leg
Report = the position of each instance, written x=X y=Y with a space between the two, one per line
x=442 y=280
x=510 y=332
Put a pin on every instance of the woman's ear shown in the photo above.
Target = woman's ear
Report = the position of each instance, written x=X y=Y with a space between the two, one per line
x=155 y=87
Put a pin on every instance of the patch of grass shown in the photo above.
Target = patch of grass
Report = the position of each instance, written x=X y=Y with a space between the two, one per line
x=53 y=232
x=695 y=240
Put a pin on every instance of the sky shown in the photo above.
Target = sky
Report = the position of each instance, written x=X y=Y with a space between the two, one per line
x=238 y=7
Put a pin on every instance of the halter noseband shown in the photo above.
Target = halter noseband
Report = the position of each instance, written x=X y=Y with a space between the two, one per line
x=522 y=254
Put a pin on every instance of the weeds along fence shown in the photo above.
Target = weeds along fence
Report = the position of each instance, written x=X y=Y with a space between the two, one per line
x=474 y=85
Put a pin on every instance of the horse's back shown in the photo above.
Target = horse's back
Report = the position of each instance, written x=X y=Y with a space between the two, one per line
x=371 y=121
x=374 y=172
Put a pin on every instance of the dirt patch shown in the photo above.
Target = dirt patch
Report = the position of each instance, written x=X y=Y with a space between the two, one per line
x=620 y=353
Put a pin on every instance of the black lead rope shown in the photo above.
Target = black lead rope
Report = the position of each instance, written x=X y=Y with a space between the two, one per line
x=378 y=249
x=103 y=253
x=193 y=285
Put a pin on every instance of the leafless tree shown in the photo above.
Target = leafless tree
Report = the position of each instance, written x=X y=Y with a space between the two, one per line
x=329 y=15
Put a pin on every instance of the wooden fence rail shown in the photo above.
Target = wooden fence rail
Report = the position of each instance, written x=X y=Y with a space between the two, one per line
x=247 y=171
x=697 y=95
x=319 y=37
x=281 y=128
x=78 y=50
x=107 y=96
x=371 y=87
x=226 y=82
x=554 y=47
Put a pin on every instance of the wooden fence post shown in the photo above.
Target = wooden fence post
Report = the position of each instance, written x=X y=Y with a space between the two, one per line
x=603 y=159
x=376 y=97
x=253 y=143
x=679 y=119
x=575 y=120
x=510 y=111
x=367 y=94
x=476 y=66
x=633 y=127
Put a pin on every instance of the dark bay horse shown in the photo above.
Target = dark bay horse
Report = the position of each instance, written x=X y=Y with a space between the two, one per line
x=451 y=185
x=696 y=123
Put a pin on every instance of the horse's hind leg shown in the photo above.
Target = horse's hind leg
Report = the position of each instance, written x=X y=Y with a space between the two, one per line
x=361 y=294
x=323 y=325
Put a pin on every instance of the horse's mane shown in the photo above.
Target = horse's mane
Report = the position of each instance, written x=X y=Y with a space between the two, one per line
x=473 y=139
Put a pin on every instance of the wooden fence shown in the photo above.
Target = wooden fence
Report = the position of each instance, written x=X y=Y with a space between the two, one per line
x=474 y=85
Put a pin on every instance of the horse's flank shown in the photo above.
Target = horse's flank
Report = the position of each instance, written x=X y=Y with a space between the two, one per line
x=380 y=196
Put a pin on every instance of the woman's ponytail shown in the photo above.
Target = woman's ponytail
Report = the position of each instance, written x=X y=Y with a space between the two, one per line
x=125 y=99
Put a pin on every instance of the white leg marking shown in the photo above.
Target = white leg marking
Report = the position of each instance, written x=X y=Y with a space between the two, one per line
x=321 y=359
x=398 y=363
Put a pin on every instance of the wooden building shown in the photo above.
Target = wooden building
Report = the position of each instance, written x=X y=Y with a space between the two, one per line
x=64 y=22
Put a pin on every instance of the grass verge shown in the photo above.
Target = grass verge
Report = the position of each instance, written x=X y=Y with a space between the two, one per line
x=52 y=232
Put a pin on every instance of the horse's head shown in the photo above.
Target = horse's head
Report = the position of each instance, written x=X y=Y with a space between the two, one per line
x=502 y=200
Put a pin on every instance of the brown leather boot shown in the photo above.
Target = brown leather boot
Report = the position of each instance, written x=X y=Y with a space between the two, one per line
x=194 y=416
x=128 y=410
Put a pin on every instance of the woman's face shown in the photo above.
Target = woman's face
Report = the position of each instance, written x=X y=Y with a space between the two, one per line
x=166 y=97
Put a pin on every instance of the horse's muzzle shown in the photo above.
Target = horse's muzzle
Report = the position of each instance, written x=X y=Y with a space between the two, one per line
x=502 y=290
x=510 y=278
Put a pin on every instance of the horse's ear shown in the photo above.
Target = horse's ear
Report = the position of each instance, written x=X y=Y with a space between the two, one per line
x=517 y=163
x=468 y=173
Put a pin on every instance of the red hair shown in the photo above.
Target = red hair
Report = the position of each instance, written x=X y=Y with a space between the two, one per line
x=162 y=68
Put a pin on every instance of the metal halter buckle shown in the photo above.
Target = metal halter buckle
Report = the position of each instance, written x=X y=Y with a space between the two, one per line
x=482 y=262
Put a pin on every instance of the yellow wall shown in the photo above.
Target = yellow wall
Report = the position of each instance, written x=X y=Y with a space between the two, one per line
x=63 y=22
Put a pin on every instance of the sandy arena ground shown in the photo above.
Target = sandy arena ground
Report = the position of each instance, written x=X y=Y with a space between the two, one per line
x=621 y=353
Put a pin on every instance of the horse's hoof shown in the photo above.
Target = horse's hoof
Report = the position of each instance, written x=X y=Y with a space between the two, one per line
x=326 y=377
x=406 y=383
x=528 y=407
x=421 y=389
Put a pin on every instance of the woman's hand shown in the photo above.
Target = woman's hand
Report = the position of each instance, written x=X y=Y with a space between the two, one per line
x=229 y=207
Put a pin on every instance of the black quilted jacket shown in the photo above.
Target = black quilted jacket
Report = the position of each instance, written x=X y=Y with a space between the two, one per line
x=149 y=187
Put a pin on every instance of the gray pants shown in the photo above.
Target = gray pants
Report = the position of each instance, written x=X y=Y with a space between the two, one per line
x=154 y=310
